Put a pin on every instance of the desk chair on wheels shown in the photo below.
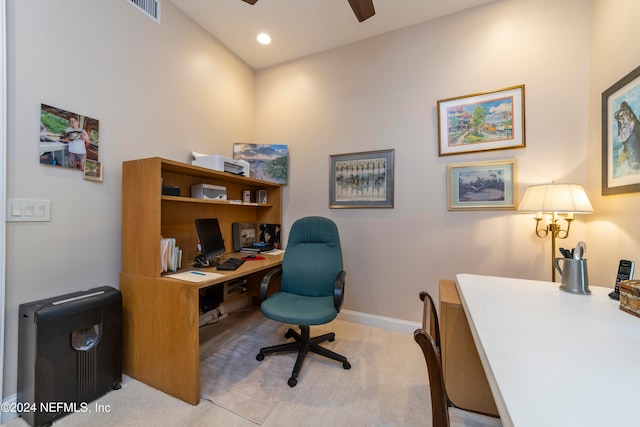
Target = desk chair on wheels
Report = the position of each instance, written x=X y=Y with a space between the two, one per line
x=443 y=411
x=311 y=290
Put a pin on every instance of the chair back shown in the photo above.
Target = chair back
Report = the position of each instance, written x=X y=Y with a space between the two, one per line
x=430 y=318
x=428 y=338
x=432 y=351
x=439 y=399
x=313 y=257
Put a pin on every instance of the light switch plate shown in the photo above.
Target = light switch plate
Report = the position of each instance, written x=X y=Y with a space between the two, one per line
x=19 y=210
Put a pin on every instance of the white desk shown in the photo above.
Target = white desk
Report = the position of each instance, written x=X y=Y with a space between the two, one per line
x=553 y=358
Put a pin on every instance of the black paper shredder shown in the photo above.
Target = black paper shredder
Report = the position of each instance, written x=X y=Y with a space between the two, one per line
x=69 y=353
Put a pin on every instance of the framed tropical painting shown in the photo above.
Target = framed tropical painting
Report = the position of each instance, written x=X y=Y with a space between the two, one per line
x=481 y=122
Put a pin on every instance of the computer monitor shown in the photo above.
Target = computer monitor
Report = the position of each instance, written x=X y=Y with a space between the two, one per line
x=210 y=236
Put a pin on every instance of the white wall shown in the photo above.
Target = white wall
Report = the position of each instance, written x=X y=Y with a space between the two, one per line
x=162 y=90
x=382 y=93
x=613 y=232
x=158 y=90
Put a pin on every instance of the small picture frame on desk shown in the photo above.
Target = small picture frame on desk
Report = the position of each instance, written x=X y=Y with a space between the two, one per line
x=261 y=197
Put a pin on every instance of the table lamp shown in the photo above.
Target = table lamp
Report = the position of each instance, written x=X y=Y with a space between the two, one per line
x=554 y=199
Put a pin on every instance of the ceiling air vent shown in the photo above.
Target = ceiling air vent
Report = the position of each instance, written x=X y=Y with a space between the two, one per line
x=151 y=8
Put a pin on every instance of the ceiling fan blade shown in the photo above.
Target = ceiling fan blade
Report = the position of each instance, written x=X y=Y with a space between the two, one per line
x=362 y=8
x=250 y=1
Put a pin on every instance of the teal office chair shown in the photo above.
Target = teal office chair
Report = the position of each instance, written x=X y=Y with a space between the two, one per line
x=311 y=290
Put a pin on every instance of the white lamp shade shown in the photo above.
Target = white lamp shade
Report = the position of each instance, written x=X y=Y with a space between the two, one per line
x=561 y=198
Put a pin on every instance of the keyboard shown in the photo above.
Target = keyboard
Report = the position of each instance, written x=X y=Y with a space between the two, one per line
x=230 y=264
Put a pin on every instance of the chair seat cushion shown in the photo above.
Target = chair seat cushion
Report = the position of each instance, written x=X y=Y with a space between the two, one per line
x=299 y=310
x=461 y=418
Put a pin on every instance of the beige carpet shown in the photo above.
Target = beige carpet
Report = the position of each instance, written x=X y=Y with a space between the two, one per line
x=233 y=378
x=385 y=386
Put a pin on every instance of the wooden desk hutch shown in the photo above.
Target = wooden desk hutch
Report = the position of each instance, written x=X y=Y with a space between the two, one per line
x=160 y=314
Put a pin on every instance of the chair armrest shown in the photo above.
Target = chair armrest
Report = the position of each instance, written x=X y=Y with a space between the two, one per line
x=266 y=281
x=338 y=290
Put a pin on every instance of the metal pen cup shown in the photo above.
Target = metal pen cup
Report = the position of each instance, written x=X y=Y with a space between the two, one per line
x=574 y=275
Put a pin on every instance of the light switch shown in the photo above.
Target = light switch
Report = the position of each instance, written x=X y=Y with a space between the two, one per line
x=41 y=209
x=16 y=208
x=28 y=210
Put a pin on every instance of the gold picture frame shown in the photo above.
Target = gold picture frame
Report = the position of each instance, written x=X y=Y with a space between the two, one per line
x=481 y=122
x=482 y=185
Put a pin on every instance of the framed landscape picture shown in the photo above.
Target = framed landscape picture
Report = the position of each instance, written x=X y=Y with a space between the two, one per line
x=267 y=162
x=482 y=185
x=621 y=136
x=481 y=122
x=361 y=180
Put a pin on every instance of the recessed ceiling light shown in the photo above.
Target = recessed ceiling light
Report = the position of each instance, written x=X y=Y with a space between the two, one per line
x=264 y=38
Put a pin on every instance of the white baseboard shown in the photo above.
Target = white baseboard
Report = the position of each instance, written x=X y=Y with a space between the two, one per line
x=379 y=321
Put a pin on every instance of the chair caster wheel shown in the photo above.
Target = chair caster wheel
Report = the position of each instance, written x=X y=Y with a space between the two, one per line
x=292 y=382
x=332 y=339
x=288 y=334
x=260 y=357
x=346 y=365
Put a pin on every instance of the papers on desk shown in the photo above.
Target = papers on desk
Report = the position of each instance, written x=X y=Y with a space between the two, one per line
x=195 y=276
x=273 y=252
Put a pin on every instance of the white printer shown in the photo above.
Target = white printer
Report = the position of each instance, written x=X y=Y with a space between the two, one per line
x=222 y=164
x=209 y=191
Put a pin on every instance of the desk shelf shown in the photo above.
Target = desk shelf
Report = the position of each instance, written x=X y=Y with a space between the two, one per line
x=160 y=314
x=181 y=199
x=147 y=214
